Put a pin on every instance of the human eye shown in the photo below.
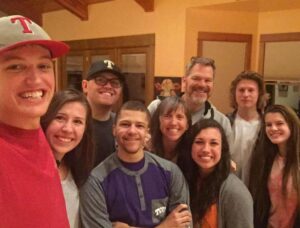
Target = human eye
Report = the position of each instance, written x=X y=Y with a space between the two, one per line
x=78 y=121
x=124 y=124
x=180 y=117
x=115 y=83
x=166 y=115
x=214 y=143
x=45 y=66
x=140 y=126
x=17 y=67
x=59 y=118
x=100 y=80
x=198 y=141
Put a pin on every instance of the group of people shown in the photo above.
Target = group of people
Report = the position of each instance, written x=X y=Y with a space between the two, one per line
x=69 y=160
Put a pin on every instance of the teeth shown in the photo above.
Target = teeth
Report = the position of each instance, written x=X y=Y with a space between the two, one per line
x=64 y=139
x=36 y=94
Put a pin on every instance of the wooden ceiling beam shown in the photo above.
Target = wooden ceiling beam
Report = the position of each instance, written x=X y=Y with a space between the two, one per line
x=148 y=5
x=77 y=7
x=13 y=7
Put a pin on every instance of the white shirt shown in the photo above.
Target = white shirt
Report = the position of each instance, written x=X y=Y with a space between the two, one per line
x=244 y=135
x=71 y=195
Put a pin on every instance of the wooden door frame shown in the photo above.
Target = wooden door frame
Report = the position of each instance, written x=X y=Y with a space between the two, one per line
x=146 y=41
x=227 y=37
x=277 y=37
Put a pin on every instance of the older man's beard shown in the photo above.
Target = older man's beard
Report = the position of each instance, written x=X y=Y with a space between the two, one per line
x=195 y=99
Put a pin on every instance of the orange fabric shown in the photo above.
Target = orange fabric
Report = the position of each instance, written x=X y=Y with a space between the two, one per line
x=210 y=219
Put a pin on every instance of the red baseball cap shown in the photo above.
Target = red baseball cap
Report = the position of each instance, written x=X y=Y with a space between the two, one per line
x=18 y=30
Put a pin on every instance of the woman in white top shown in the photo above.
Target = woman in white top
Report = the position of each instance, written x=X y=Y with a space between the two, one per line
x=67 y=126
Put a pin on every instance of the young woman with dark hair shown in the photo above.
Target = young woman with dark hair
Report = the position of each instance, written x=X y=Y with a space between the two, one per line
x=67 y=126
x=218 y=198
x=275 y=170
x=168 y=129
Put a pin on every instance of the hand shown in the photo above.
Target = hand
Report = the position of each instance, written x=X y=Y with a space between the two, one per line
x=120 y=225
x=180 y=217
x=232 y=166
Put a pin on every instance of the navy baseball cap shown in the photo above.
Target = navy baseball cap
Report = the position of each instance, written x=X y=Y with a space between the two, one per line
x=104 y=66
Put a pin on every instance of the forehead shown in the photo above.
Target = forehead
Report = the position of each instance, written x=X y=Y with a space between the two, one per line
x=274 y=116
x=22 y=52
x=132 y=116
x=75 y=106
x=247 y=83
x=209 y=133
x=201 y=70
x=106 y=74
x=173 y=109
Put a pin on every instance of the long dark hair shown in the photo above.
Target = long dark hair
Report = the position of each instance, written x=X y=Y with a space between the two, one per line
x=204 y=191
x=81 y=159
x=168 y=105
x=263 y=157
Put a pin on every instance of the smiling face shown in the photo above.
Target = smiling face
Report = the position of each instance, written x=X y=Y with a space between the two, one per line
x=66 y=130
x=206 y=149
x=198 y=85
x=173 y=125
x=246 y=94
x=104 y=95
x=26 y=85
x=131 y=132
x=277 y=129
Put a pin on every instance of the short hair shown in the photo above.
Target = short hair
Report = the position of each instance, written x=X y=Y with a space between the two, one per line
x=81 y=159
x=133 y=105
x=253 y=76
x=204 y=61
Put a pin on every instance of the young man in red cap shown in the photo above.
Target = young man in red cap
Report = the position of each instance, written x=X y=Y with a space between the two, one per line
x=30 y=192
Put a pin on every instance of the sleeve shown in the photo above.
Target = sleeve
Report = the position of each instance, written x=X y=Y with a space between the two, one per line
x=153 y=106
x=93 y=209
x=179 y=192
x=236 y=205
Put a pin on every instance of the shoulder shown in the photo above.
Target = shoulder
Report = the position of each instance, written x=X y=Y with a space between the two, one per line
x=162 y=163
x=233 y=187
x=107 y=166
x=153 y=105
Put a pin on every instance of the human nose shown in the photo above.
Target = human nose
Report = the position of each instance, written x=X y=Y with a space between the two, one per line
x=132 y=129
x=32 y=75
x=67 y=126
x=205 y=147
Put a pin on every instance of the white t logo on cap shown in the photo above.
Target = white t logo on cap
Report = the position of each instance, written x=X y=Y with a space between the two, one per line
x=109 y=64
x=24 y=21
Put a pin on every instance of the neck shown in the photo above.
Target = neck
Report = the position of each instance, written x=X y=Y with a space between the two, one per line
x=248 y=114
x=130 y=157
x=282 y=149
x=101 y=113
x=169 y=149
x=192 y=106
x=26 y=124
x=63 y=171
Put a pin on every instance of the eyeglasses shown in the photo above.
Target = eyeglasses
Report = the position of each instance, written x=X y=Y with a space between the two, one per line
x=114 y=82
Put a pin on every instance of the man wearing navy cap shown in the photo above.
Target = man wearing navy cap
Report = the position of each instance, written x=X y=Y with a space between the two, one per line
x=30 y=192
x=103 y=87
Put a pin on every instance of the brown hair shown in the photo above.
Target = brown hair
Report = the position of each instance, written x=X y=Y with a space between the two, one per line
x=253 y=76
x=81 y=159
x=204 y=61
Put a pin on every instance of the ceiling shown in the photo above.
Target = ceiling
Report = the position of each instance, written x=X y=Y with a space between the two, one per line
x=256 y=5
x=35 y=8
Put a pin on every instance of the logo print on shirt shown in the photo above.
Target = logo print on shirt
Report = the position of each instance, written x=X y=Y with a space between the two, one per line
x=159 y=211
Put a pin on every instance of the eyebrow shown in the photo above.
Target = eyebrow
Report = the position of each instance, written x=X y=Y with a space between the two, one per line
x=8 y=58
